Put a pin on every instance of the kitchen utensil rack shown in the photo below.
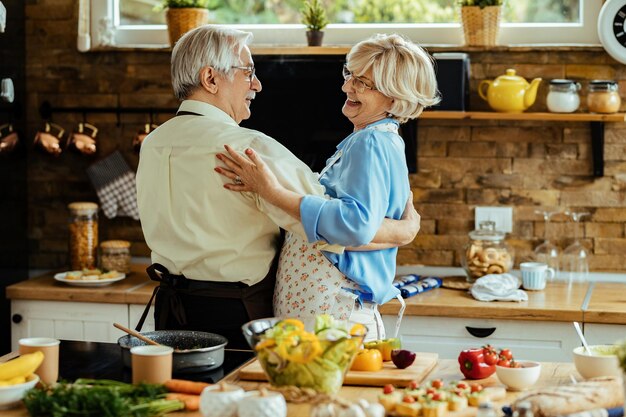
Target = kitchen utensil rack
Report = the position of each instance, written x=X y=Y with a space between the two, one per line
x=596 y=121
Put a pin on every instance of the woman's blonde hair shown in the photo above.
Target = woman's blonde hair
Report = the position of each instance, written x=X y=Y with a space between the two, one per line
x=401 y=70
x=205 y=46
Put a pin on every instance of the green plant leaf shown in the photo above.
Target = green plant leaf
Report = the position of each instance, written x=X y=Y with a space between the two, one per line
x=314 y=15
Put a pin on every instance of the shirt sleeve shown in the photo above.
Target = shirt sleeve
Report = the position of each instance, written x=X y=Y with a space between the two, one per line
x=294 y=175
x=362 y=187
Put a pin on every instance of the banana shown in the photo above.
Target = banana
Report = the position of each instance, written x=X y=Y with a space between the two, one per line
x=13 y=381
x=22 y=366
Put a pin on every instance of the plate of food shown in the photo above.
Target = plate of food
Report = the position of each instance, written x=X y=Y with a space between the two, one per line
x=89 y=277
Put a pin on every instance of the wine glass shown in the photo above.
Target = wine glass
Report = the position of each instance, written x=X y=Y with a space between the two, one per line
x=547 y=252
x=575 y=256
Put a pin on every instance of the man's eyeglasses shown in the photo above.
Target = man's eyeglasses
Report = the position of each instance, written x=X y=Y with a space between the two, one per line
x=248 y=70
x=359 y=85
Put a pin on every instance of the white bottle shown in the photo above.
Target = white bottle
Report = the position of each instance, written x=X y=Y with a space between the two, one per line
x=563 y=96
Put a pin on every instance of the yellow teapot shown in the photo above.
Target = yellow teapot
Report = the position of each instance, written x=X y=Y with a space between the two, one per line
x=509 y=93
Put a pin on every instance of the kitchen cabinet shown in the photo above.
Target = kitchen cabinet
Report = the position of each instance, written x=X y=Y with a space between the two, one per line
x=134 y=314
x=66 y=320
x=604 y=334
x=536 y=340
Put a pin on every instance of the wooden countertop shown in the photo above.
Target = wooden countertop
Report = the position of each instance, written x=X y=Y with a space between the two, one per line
x=558 y=302
x=607 y=304
x=447 y=369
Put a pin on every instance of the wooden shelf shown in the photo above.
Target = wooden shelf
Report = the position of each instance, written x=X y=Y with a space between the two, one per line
x=596 y=122
x=551 y=117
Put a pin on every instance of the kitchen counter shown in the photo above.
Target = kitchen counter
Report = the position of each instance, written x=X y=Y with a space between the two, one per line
x=558 y=302
x=448 y=370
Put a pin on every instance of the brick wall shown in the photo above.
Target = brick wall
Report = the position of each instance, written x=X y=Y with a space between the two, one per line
x=462 y=164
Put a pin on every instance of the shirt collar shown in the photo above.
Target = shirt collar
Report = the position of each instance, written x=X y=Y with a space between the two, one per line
x=206 y=109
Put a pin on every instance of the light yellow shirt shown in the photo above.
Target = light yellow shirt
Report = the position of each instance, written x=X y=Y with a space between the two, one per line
x=192 y=224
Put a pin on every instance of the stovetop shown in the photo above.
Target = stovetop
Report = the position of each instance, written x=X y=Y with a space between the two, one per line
x=104 y=361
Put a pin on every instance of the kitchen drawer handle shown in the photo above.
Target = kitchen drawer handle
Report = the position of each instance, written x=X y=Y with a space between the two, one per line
x=17 y=318
x=480 y=331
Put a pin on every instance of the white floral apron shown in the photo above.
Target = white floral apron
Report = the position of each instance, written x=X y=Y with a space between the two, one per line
x=308 y=284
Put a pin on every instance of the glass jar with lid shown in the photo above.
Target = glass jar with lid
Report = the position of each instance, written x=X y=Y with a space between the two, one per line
x=563 y=96
x=603 y=96
x=83 y=241
x=486 y=253
x=115 y=256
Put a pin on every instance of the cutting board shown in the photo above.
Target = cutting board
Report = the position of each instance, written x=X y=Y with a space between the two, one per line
x=424 y=363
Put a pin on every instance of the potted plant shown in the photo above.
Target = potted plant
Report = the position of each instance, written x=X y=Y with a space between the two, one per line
x=183 y=15
x=314 y=17
x=480 y=20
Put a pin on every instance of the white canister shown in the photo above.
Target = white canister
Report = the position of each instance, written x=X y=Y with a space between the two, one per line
x=563 y=96
x=220 y=400
x=262 y=404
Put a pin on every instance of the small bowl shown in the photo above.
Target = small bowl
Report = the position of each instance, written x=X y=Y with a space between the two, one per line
x=518 y=379
x=11 y=395
x=597 y=364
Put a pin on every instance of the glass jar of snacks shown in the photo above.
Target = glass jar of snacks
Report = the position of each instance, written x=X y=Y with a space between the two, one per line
x=486 y=253
x=115 y=256
x=603 y=97
x=563 y=96
x=83 y=225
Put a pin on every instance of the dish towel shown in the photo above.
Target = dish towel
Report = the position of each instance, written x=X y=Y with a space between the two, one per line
x=114 y=182
x=498 y=287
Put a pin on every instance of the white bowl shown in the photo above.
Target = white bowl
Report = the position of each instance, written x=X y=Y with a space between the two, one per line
x=11 y=395
x=594 y=365
x=518 y=379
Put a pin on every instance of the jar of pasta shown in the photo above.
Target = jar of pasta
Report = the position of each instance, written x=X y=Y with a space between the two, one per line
x=115 y=256
x=603 y=97
x=486 y=253
x=83 y=225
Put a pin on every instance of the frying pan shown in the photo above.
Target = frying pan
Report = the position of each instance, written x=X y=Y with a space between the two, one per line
x=194 y=351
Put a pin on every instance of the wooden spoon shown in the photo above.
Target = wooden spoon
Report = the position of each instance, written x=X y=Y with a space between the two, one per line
x=136 y=334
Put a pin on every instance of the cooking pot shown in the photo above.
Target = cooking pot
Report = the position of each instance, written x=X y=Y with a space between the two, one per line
x=193 y=351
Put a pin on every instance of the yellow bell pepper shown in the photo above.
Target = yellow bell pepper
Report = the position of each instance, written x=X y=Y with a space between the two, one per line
x=370 y=360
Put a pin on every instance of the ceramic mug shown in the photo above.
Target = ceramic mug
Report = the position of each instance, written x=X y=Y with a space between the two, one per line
x=48 y=371
x=535 y=275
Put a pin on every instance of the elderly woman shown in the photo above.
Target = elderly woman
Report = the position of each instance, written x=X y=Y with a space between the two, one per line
x=387 y=80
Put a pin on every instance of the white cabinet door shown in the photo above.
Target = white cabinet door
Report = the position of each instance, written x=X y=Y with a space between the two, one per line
x=67 y=320
x=134 y=314
x=447 y=336
x=604 y=334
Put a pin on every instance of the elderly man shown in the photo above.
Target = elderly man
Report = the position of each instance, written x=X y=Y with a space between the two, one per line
x=213 y=250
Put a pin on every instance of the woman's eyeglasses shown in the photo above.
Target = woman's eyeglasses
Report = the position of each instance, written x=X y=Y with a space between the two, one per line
x=359 y=85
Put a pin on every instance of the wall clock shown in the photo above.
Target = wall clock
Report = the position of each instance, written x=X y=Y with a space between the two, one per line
x=611 y=28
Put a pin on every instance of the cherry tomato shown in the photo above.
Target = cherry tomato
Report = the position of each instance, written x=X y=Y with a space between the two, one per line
x=431 y=391
x=506 y=353
x=437 y=396
x=515 y=364
x=414 y=385
x=491 y=357
x=476 y=387
x=437 y=383
x=408 y=399
x=504 y=362
x=462 y=385
x=388 y=389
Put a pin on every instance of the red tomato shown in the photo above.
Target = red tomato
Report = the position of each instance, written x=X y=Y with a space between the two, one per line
x=408 y=399
x=437 y=383
x=491 y=357
x=504 y=362
x=388 y=389
x=462 y=385
x=431 y=391
x=506 y=353
x=515 y=364
x=476 y=387
x=437 y=397
x=414 y=385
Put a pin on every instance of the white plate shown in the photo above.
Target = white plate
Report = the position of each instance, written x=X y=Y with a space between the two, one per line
x=88 y=283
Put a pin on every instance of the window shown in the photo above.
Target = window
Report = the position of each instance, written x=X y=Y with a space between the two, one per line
x=135 y=22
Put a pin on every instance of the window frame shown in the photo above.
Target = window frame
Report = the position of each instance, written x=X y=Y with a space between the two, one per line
x=155 y=36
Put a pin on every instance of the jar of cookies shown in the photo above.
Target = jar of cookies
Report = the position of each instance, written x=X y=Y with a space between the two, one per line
x=83 y=225
x=115 y=256
x=486 y=253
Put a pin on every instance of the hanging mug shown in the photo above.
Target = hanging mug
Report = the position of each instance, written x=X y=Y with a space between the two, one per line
x=84 y=140
x=50 y=139
x=8 y=139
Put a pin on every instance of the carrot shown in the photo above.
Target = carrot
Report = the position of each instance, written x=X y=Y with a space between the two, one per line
x=184 y=386
x=192 y=402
